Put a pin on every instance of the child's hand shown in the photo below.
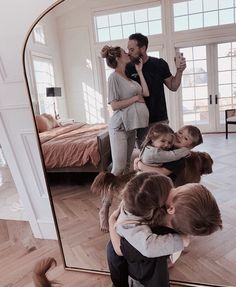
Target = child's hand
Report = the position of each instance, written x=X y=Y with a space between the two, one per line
x=136 y=161
x=186 y=240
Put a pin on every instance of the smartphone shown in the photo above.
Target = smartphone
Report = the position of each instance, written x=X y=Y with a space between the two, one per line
x=178 y=58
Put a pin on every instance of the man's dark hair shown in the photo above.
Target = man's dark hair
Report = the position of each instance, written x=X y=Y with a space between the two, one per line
x=140 y=38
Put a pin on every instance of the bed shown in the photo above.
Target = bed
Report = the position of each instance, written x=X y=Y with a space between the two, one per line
x=76 y=147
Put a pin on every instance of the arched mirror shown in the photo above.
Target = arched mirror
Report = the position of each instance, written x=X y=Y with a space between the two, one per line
x=67 y=82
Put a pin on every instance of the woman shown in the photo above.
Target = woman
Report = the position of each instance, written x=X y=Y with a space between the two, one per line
x=129 y=109
x=129 y=113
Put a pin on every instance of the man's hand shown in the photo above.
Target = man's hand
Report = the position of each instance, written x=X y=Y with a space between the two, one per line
x=182 y=65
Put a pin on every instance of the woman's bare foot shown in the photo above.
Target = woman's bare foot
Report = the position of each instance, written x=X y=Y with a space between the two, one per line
x=103 y=217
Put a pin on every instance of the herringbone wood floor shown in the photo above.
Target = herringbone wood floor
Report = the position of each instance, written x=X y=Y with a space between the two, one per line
x=210 y=259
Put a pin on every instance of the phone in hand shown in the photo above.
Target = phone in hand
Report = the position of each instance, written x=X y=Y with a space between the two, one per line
x=178 y=58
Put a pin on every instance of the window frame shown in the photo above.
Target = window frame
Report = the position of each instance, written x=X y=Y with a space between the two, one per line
x=120 y=9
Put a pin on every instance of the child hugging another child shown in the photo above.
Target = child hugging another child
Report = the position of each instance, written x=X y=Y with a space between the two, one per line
x=165 y=151
x=149 y=200
x=158 y=144
x=156 y=156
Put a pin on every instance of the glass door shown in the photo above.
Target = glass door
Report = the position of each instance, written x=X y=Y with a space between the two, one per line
x=226 y=68
x=195 y=88
x=208 y=85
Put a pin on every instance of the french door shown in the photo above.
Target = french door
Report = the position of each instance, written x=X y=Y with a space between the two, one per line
x=208 y=85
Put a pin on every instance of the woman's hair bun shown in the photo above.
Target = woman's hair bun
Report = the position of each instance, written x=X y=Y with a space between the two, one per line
x=105 y=51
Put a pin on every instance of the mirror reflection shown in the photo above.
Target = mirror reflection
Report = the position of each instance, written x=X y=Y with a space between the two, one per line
x=68 y=86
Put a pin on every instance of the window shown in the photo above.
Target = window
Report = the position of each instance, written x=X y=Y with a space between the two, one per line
x=119 y=25
x=203 y=13
x=39 y=35
x=227 y=77
x=44 y=77
x=195 y=86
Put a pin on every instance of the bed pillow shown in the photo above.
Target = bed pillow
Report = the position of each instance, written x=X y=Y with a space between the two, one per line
x=52 y=122
x=41 y=123
x=45 y=122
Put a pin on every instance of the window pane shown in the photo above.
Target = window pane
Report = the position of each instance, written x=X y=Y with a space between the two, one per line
x=196 y=21
x=224 y=49
x=224 y=64
x=181 y=23
x=155 y=27
x=154 y=13
x=188 y=106
x=195 y=6
x=188 y=93
x=200 y=66
x=189 y=68
x=200 y=79
x=140 y=15
x=128 y=30
x=127 y=17
x=116 y=33
x=211 y=18
x=114 y=19
x=225 y=90
x=234 y=77
x=226 y=4
x=224 y=77
x=188 y=53
x=102 y=21
x=189 y=119
x=39 y=36
x=103 y=35
x=226 y=16
x=154 y=54
x=199 y=52
x=202 y=105
x=187 y=81
x=180 y=9
x=234 y=63
x=210 y=5
x=201 y=93
x=142 y=28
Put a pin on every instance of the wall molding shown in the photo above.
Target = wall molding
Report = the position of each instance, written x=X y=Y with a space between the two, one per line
x=18 y=177
x=3 y=72
x=25 y=135
x=14 y=107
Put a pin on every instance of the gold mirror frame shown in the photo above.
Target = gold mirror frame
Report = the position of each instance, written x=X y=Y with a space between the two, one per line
x=180 y=283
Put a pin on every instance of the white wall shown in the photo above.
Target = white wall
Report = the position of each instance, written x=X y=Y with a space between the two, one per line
x=17 y=130
x=52 y=51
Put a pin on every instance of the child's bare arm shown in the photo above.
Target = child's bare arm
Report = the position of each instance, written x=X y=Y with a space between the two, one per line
x=153 y=155
x=115 y=238
x=139 y=165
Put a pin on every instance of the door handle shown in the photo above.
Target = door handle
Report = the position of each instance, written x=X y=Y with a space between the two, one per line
x=216 y=99
x=210 y=99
